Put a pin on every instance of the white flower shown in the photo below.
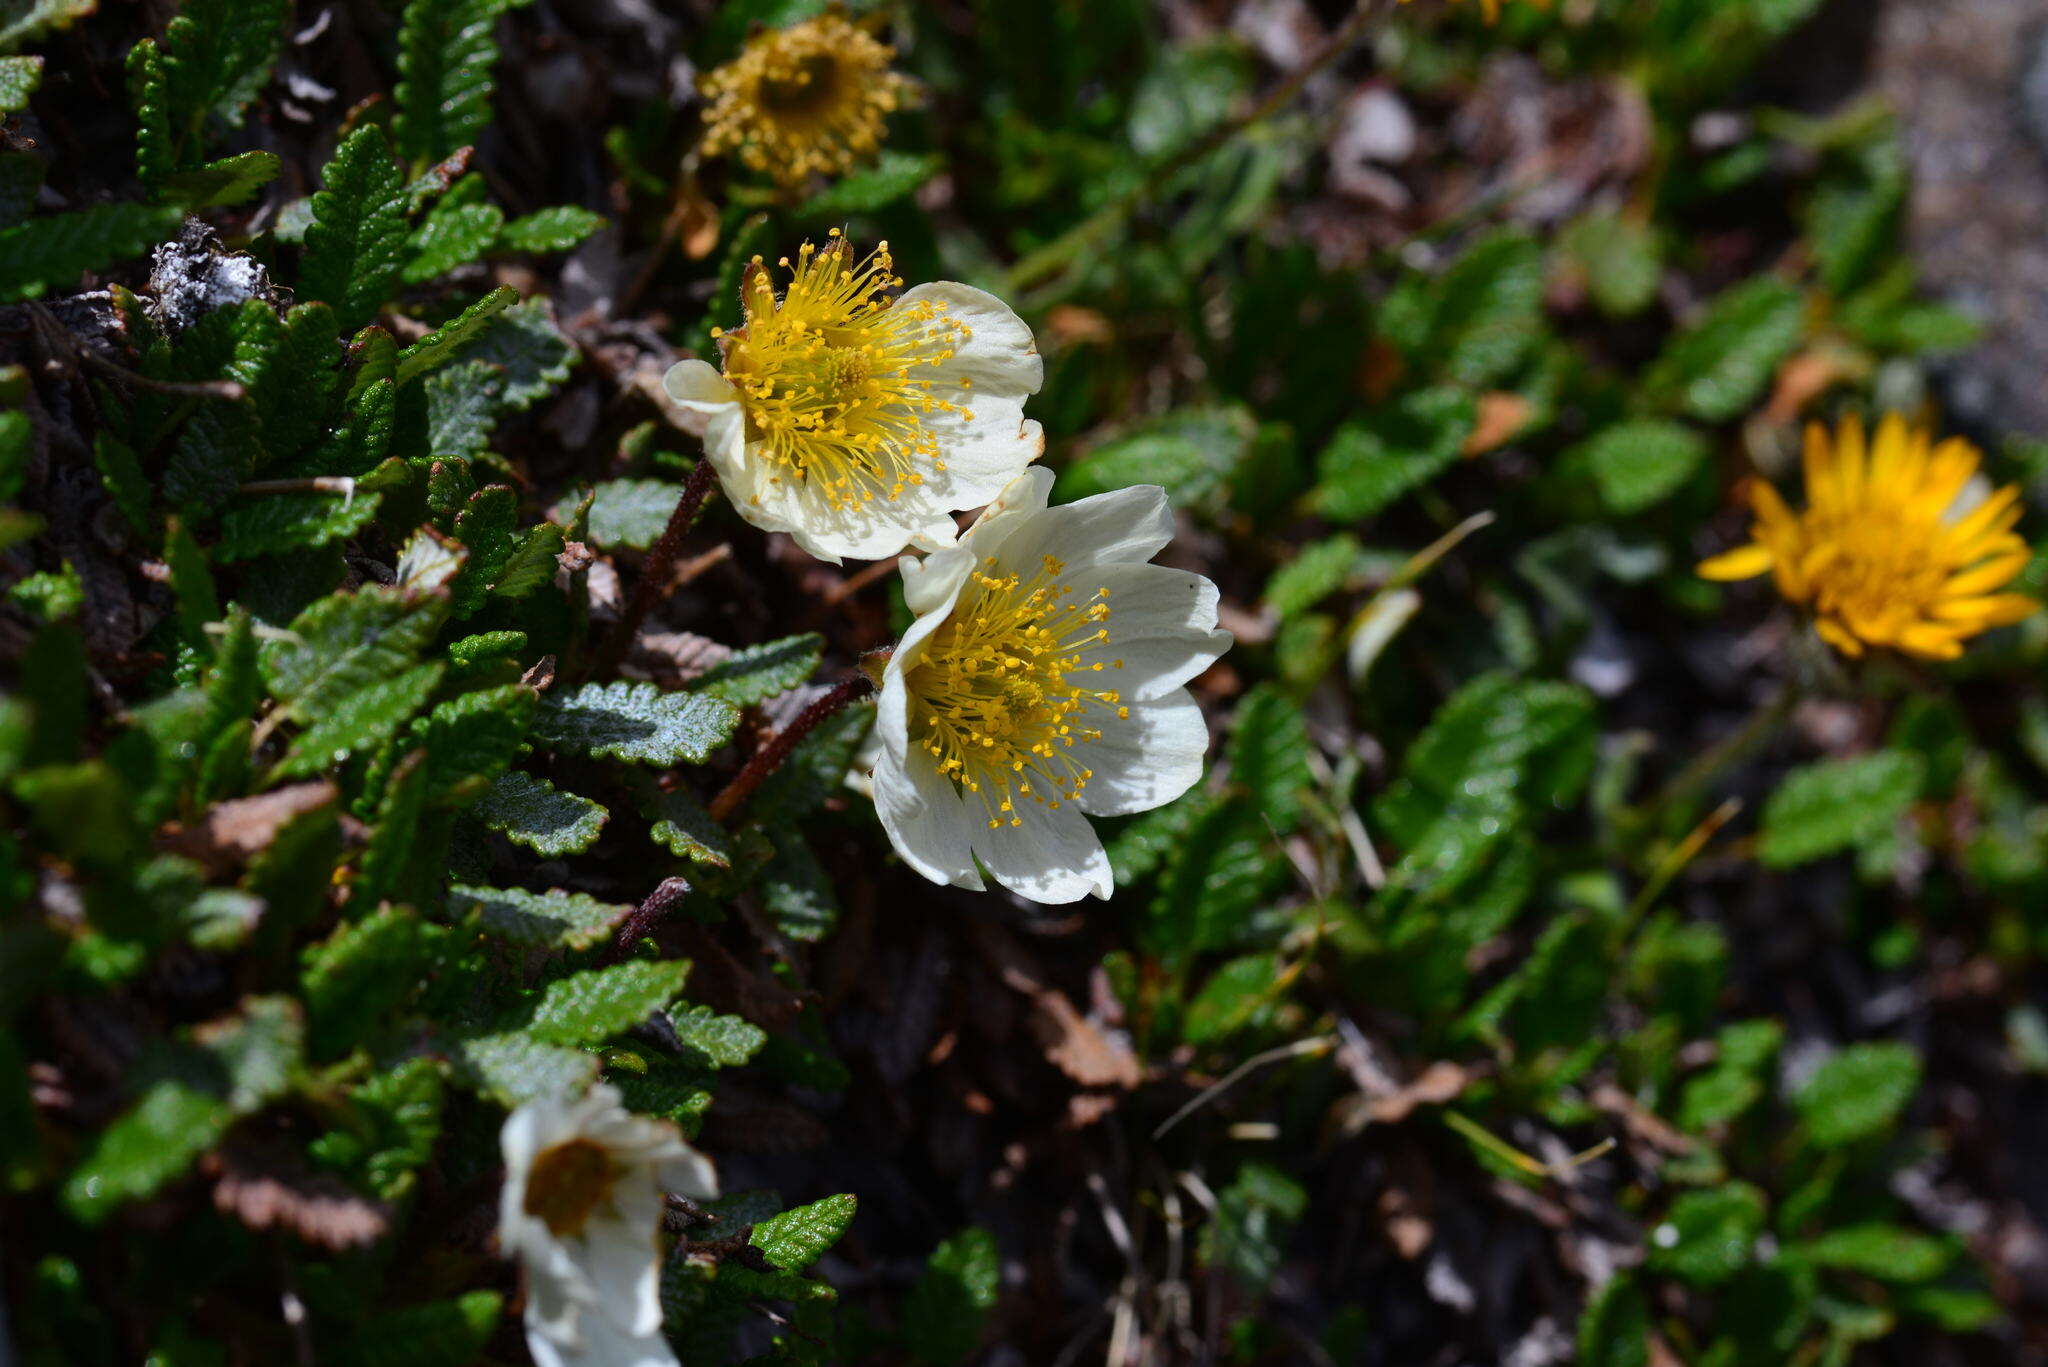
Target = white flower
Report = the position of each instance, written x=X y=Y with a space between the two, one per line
x=1042 y=680
x=582 y=1209
x=860 y=425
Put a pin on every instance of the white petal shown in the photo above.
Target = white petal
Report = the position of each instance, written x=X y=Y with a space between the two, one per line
x=981 y=457
x=1000 y=356
x=621 y=1256
x=689 y=1174
x=607 y=1344
x=1051 y=857
x=1131 y=524
x=1147 y=760
x=697 y=385
x=926 y=820
x=933 y=583
x=1161 y=625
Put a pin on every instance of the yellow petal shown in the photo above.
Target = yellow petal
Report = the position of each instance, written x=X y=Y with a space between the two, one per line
x=1821 y=485
x=1930 y=642
x=1992 y=574
x=1744 y=562
x=1838 y=637
x=1982 y=614
x=1850 y=464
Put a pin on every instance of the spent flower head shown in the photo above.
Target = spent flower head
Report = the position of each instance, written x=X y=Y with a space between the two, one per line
x=1042 y=683
x=857 y=422
x=803 y=100
x=1901 y=545
x=581 y=1209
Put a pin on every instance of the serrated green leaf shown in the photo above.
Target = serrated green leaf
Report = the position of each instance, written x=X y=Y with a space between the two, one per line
x=1838 y=805
x=145 y=1148
x=440 y=346
x=464 y=401
x=1718 y=368
x=630 y=512
x=636 y=722
x=1269 y=754
x=685 y=829
x=552 y=919
x=1709 y=1235
x=446 y=50
x=474 y=738
x=1615 y=1330
x=21 y=20
x=50 y=253
x=1640 y=464
x=592 y=1006
x=346 y=642
x=1488 y=311
x=529 y=352
x=1313 y=573
x=358 y=975
x=894 y=176
x=272 y=524
x=355 y=245
x=453 y=234
x=726 y=1041
x=1190 y=453
x=949 y=1306
x=19 y=77
x=1374 y=460
x=1879 y=1250
x=760 y=672
x=555 y=229
x=218 y=184
x=1859 y=1093
x=514 y=1067
x=530 y=811
x=797 y=1238
x=359 y=722
x=1620 y=259
x=796 y=891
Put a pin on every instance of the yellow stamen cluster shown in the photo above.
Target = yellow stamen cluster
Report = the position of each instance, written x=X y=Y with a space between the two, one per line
x=829 y=374
x=1000 y=694
x=1884 y=554
x=806 y=99
x=568 y=1181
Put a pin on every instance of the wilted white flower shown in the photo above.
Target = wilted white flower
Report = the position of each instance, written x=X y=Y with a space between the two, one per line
x=581 y=1209
x=859 y=424
x=1043 y=679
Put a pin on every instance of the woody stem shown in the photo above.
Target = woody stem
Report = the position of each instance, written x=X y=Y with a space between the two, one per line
x=769 y=757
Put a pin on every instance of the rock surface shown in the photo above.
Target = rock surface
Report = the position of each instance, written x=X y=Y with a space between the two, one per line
x=1970 y=81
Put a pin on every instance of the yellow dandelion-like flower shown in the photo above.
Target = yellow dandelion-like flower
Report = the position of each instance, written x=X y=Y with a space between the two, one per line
x=1899 y=547
x=808 y=98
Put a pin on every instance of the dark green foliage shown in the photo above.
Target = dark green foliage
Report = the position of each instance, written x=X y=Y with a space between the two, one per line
x=445 y=55
x=355 y=243
x=50 y=253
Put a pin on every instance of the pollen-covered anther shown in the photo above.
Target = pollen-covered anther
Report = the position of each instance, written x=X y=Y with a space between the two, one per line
x=831 y=375
x=992 y=697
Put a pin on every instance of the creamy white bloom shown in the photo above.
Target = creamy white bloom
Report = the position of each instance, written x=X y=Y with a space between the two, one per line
x=581 y=1209
x=858 y=424
x=1041 y=684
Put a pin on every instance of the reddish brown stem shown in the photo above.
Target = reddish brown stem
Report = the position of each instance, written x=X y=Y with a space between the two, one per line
x=769 y=757
x=654 y=570
x=643 y=918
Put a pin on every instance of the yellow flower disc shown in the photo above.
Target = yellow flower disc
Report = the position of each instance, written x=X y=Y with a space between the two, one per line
x=808 y=99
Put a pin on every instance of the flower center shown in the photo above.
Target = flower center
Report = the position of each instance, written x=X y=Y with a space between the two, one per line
x=566 y=1183
x=797 y=83
x=999 y=695
x=830 y=376
x=1884 y=565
